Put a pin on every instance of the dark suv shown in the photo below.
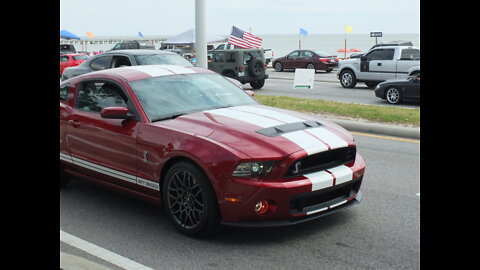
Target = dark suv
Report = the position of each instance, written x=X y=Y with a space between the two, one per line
x=133 y=44
x=244 y=65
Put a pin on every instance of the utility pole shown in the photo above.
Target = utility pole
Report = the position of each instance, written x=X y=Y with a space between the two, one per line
x=200 y=34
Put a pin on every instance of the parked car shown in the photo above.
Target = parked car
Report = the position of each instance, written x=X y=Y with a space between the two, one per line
x=67 y=48
x=311 y=59
x=114 y=59
x=244 y=65
x=396 y=91
x=381 y=63
x=71 y=60
x=268 y=53
x=133 y=44
x=190 y=140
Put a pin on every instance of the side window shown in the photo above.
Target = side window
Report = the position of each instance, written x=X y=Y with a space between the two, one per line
x=218 y=57
x=410 y=54
x=294 y=54
x=119 y=61
x=375 y=55
x=220 y=47
x=64 y=58
x=100 y=63
x=388 y=54
x=95 y=96
x=306 y=54
x=230 y=57
x=63 y=92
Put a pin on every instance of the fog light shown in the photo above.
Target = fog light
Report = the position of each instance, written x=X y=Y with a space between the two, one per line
x=261 y=207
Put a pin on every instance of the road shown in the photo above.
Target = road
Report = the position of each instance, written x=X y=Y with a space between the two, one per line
x=382 y=232
x=326 y=87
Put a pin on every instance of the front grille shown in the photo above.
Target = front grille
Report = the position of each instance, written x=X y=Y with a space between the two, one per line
x=324 y=197
x=322 y=161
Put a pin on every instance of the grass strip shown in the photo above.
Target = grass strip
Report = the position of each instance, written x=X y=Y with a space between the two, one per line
x=375 y=113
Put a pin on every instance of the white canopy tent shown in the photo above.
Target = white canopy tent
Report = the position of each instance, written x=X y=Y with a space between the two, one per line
x=188 y=38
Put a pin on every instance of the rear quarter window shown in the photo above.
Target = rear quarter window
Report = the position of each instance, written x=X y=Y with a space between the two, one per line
x=410 y=54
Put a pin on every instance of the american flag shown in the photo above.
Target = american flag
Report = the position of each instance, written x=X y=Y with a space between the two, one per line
x=244 y=39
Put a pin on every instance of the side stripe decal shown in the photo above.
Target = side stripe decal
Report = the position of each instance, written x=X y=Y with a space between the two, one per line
x=110 y=172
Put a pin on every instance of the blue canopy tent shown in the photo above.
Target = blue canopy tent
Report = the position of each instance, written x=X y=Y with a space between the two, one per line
x=67 y=35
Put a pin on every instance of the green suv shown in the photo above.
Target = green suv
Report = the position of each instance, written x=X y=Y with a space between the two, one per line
x=244 y=65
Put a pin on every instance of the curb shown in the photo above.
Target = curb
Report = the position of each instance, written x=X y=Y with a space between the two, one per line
x=376 y=128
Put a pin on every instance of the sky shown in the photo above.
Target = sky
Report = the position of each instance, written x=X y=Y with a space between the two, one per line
x=171 y=17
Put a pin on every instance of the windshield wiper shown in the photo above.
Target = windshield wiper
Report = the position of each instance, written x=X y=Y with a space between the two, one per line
x=173 y=116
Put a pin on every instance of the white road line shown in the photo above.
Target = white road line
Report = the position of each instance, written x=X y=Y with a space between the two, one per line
x=101 y=253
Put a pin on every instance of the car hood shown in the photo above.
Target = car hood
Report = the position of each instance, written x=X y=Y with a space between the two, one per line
x=263 y=132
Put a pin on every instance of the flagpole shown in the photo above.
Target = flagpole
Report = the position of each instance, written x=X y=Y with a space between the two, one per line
x=345 y=43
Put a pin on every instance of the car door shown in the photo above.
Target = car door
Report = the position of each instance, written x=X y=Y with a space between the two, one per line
x=105 y=148
x=387 y=66
x=303 y=59
x=412 y=91
x=371 y=66
x=291 y=59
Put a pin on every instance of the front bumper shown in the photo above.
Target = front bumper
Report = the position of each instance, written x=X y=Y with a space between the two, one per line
x=293 y=201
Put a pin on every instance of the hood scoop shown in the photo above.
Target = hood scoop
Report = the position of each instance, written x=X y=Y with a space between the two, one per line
x=290 y=127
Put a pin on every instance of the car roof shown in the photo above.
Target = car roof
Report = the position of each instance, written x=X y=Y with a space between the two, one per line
x=133 y=73
x=138 y=52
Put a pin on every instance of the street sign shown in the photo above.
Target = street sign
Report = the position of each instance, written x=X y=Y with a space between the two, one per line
x=375 y=34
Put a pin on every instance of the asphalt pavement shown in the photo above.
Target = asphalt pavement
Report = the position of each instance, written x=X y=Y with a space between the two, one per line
x=351 y=125
x=381 y=232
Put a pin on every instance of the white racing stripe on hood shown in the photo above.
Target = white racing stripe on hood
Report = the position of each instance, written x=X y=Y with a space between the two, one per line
x=179 y=69
x=321 y=140
x=310 y=144
x=250 y=118
x=328 y=137
x=270 y=113
x=152 y=70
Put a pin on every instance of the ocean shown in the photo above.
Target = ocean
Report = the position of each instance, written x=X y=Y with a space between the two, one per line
x=284 y=44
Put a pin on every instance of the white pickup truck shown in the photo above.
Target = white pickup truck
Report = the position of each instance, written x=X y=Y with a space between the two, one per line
x=267 y=52
x=379 y=64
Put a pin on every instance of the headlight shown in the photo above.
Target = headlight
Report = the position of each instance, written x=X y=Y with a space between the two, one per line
x=253 y=168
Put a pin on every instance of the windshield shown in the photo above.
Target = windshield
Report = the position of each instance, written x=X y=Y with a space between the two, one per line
x=169 y=96
x=162 y=59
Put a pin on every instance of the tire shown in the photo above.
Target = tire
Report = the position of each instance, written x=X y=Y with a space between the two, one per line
x=278 y=66
x=393 y=95
x=348 y=79
x=256 y=68
x=257 y=84
x=189 y=200
x=64 y=178
x=310 y=66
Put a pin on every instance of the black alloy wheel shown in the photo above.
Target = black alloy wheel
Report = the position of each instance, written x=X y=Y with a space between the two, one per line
x=189 y=200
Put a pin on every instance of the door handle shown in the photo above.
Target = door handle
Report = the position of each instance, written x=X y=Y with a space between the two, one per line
x=74 y=123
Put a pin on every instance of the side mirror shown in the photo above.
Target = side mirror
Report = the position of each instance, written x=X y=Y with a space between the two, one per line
x=115 y=113
x=250 y=93
x=363 y=58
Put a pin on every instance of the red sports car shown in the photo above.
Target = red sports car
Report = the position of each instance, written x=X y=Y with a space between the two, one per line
x=206 y=150
x=71 y=60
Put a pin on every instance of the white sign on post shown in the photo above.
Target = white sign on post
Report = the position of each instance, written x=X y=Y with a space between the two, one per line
x=303 y=78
